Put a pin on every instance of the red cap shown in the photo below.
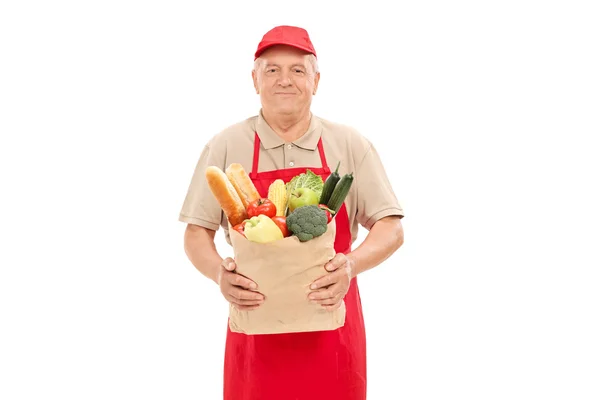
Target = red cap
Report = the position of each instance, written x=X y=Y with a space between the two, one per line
x=287 y=35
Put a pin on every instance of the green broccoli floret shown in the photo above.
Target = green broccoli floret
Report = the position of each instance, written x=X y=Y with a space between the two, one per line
x=307 y=222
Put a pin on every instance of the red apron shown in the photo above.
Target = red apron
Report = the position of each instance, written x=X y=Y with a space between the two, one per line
x=329 y=365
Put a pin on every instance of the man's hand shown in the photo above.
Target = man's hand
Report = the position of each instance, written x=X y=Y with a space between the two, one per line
x=329 y=290
x=237 y=289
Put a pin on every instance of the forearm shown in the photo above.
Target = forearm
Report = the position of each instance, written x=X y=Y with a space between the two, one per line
x=201 y=251
x=384 y=238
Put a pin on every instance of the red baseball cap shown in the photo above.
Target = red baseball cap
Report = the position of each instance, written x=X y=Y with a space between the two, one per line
x=286 y=35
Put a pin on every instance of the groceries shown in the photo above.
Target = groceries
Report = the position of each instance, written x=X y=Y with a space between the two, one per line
x=308 y=180
x=328 y=212
x=277 y=195
x=302 y=197
x=303 y=207
x=262 y=229
x=281 y=222
x=329 y=185
x=248 y=213
x=262 y=206
x=226 y=195
x=281 y=242
x=340 y=192
x=242 y=183
x=307 y=222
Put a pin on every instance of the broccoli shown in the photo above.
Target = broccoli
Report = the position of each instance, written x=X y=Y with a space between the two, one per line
x=307 y=222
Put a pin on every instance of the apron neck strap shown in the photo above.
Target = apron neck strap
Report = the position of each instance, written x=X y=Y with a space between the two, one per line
x=322 y=154
x=254 y=173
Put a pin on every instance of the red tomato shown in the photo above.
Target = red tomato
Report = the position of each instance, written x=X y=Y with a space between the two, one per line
x=240 y=228
x=282 y=224
x=262 y=206
x=327 y=211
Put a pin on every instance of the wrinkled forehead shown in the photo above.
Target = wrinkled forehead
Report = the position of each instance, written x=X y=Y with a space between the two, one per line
x=285 y=56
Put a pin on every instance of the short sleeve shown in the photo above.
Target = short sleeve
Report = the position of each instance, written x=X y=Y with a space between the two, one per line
x=200 y=207
x=375 y=196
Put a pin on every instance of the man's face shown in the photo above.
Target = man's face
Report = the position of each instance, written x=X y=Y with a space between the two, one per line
x=285 y=80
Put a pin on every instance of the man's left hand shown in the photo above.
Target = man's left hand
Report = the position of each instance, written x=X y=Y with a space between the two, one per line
x=329 y=290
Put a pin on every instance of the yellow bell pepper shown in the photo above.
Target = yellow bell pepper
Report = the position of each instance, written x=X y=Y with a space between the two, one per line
x=262 y=229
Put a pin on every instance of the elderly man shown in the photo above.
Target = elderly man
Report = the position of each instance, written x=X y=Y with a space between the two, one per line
x=283 y=140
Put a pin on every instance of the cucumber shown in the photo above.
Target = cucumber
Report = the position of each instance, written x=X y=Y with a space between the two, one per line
x=340 y=192
x=329 y=185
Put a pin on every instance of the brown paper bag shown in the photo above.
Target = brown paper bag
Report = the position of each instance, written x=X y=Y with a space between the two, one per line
x=283 y=271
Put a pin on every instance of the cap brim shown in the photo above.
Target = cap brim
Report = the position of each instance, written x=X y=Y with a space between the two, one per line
x=269 y=45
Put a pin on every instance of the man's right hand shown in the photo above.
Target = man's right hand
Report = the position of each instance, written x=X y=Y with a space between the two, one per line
x=237 y=289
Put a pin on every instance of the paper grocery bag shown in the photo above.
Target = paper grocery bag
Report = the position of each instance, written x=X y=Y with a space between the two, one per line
x=283 y=271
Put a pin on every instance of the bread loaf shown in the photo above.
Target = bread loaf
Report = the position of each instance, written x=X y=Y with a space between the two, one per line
x=226 y=195
x=242 y=183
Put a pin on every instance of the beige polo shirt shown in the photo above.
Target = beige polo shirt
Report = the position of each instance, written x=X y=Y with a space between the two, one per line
x=371 y=196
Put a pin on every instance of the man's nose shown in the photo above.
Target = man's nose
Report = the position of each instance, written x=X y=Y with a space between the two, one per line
x=285 y=80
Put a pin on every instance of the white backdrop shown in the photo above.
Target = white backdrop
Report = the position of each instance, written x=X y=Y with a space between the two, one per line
x=483 y=113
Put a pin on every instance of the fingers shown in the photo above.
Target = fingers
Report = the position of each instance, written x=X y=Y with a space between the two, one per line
x=228 y=264
x=241 y=281
x=330 y=303
x=329 y=290
x=334 y=306
x=328 y=296
x=336 y=262
x=329 y=279
x=237 y=289
x=245 y=308
x=243 y=299
x=235 y=279
x=241 y=294
x=243 y=302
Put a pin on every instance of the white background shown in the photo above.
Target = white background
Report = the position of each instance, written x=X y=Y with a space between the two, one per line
x=483 y=113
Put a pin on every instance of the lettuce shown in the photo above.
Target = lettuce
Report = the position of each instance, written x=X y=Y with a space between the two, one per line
x=305 y=180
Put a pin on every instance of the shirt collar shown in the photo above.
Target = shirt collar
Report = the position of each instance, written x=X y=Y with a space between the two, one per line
x=271 y=140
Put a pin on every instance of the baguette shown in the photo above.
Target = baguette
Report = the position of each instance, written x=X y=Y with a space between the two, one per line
x=242 y=183
x=226 y=195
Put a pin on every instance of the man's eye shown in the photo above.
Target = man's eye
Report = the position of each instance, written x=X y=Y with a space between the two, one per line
x=298 y=71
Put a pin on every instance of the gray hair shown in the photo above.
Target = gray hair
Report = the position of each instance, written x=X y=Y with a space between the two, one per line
x=311 y=58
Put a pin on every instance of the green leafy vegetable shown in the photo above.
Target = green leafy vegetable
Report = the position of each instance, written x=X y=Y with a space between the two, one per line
x=306 y=180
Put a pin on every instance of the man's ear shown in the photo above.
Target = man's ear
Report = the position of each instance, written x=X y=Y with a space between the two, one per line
x=317 y=77
x=255 y=80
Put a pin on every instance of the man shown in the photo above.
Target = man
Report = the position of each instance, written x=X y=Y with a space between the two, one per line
x=283 y=140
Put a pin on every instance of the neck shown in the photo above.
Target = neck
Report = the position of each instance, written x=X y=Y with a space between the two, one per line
x=289 y=127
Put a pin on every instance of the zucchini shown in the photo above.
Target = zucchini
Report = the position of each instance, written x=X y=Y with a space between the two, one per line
x=340 y=192
x=329 y=185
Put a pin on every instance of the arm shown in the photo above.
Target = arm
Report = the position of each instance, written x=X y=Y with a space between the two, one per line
x=203 y=215
x=375 y=201
x=379 y=211
x=200 y=249
x=385 y=237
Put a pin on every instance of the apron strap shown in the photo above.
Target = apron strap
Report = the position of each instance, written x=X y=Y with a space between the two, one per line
x=254 y=173
x=322 y=154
